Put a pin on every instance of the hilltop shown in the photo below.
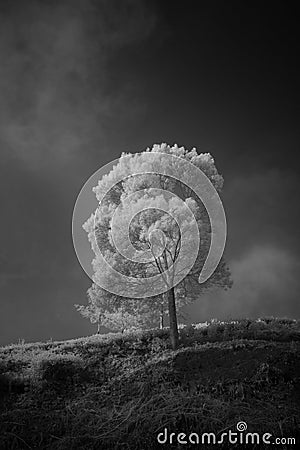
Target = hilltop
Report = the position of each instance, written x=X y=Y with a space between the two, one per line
x=119 y=391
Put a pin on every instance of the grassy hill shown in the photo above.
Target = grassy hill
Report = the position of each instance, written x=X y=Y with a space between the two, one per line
x=119 y=391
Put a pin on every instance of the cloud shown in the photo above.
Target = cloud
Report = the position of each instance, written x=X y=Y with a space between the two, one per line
x=54 y=76
x=262 y=246
x=57 y=100
x=261 y=209
x=266 y=282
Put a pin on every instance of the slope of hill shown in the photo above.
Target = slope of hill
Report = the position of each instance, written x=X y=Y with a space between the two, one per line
x=132 y=391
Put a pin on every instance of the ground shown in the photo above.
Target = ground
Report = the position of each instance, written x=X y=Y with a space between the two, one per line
x=120 y=391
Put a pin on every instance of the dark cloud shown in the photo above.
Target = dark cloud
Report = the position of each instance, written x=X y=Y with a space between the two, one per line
x=58 y=100
x=262 y=246
x=262 y=208
x=82 y=81
x=56 y=96
x=265 y=284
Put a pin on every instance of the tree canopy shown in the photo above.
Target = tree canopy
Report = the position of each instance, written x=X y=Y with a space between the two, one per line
x=158 y=227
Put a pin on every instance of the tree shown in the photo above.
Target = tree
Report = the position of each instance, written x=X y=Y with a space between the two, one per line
x=97 y=308
x=145 y=233
x=118 y=313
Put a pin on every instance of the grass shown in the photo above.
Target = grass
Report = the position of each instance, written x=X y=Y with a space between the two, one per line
x=119 y=391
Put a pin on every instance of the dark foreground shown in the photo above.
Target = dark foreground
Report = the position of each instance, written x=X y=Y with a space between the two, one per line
x=121 y=392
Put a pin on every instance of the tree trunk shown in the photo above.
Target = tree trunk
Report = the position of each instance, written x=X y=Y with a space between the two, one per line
x=161 y=317
x=173 y=318
x=161 y=320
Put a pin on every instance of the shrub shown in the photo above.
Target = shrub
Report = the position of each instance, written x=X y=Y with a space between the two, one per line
x=56 y=369
x=11 y=364
x=228 y=331
x=159 y=344
x=215 y=331
x=286 y=321
x=10 y=382
x=189 y=330
x=5 y=384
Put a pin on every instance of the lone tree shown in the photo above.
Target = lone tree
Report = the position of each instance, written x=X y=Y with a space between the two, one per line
x=146 y=227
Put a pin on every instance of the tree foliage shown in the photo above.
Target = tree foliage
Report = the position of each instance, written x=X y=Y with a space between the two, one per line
x=158 y=207
x=120 y=313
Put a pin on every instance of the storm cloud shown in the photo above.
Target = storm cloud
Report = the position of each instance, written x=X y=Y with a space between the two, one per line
x=56 y=95
x=83 y=81
x=266 y=283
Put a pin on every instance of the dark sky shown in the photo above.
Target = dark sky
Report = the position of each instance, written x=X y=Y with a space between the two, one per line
x=83 y=81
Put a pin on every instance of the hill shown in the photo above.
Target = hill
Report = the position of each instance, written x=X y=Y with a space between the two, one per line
x=123 y=391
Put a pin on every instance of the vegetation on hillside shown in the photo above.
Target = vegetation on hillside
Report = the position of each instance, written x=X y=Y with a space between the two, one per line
x=118 y=391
